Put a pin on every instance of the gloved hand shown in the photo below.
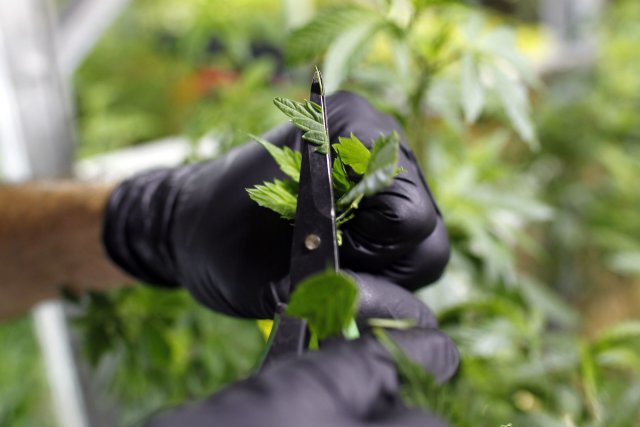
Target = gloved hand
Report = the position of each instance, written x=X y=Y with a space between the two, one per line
x=195 y=225
x=344 y=384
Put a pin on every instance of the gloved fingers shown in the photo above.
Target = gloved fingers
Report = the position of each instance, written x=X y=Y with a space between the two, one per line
x=209 y=414
x=414 y=268
x=355 y=378
x=217 y=231
x=345 y=382
x=379 y=298
x=422 y=265
x=430 y=348
x=396 y=219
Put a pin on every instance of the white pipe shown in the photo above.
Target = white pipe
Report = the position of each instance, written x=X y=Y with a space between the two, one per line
x=50 y=324
x=14 y=160
x=82 y=29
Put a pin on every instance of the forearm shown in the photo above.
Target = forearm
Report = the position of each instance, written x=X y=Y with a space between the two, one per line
x=50 y=238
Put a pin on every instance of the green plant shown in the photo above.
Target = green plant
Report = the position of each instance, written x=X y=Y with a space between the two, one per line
x=23 y=397
x=374 y=169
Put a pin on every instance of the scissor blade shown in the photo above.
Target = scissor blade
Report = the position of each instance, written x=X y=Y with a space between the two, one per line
x=314 y=246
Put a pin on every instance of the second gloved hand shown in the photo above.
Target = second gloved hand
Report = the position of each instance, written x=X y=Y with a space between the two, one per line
x=195 y=225
x=345 y=384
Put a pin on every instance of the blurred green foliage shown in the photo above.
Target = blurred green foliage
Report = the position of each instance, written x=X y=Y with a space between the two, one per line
x=592 y=156
x=23 y=394
x=154 y=350
x=169 y=67
x=535 y=227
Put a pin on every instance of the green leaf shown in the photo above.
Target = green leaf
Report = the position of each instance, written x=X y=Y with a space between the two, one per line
x=513 y=96
x=619 y=358
x=380 y=170
x=347 y=48
x=307 y=117
x=315 y=137
x=292 y=108
x=443 y=98
x=353 y=153
x=279 y=196
x=341 y=183
x=288 y=160
x=623 y=333
x=312 y=107
x=501 y=42
x=589 y=376
x=308 y=124
x=472 y=88
x=312 y=39
x=544 y=299
x=327 y=301
x=402 y=61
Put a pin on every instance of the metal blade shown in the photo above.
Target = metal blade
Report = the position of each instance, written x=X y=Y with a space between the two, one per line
x=314 y=245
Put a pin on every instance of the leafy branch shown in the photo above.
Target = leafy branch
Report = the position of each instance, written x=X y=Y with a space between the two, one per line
x=373 y=169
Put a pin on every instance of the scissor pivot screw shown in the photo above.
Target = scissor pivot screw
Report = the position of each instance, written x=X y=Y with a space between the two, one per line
x=312 y=242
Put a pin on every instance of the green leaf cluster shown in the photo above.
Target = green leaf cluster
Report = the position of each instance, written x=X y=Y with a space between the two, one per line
x=327 y=301
x=378 y=168
x=374 y=170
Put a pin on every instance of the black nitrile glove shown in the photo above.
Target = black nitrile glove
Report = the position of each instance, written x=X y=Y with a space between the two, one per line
x=195 y=225
x=344 y=384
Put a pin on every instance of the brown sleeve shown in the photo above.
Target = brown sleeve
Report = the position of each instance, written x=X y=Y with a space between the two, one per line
x=50 y=238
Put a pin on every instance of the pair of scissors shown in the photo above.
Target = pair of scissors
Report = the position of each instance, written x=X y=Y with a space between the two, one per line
x=314 y=245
